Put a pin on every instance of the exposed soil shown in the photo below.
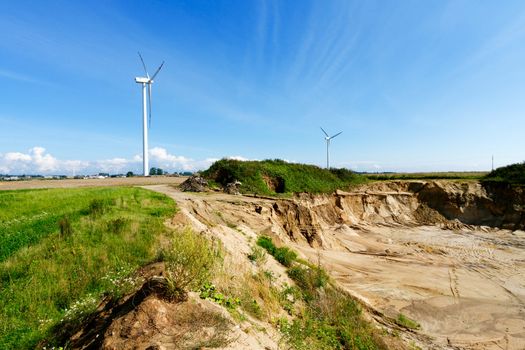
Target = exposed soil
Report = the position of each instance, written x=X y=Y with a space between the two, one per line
x=149 y=319
x=434 y=251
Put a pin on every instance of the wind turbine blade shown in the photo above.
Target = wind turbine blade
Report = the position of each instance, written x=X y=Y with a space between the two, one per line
x=149 y=104
x=143 y=65
x=158 y=70
x=339 y=133
x=324 y=132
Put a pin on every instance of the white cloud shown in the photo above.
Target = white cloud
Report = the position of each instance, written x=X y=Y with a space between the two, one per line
x=114 y=165
x=44 y=162
x=35 y=160
x=38 y=161
x=162 y=155
x=162 y=159
x=238 y=158
x=17 y=156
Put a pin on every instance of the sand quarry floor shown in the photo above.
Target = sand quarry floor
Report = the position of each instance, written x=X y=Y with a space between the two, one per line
x=466 y=288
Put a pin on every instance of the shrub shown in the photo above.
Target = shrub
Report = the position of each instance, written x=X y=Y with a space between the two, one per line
x=190 y=262
x=512 y=174
x=258 y=255
x=309 y=279
x=285 y=256
x=267 y=243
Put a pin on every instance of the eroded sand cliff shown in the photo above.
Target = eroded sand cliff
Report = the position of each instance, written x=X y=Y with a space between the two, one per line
x=449 y=255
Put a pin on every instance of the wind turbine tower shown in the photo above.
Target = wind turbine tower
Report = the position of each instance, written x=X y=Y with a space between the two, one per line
x=328 y=139
x=146 y=110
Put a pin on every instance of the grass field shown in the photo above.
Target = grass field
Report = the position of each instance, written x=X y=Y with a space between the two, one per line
x=447 y=175
x=62 y=249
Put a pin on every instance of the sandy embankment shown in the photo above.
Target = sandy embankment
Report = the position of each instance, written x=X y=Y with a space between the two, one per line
x=463 y=283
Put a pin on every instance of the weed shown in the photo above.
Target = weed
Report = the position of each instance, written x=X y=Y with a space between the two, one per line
x=403 y=321
x=97 y=207
x=288 y=297
x=331 y=321
x=209 y=292
x=117 y=225
x=413 y=346
x=285 y=256
x=190 y=261
x=258 y=255
x=309 y=279
x=269 y=275
x=266 y=243
x=66 y=229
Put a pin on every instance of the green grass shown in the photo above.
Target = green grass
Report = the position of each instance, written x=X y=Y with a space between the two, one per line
x=284 y=255
x=406 y=322
x=271 y=177
x=511 y=174
x=190 y=262
x=53 y=274
x=330 y=319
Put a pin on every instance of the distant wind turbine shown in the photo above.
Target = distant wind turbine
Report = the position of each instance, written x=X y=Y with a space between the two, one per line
x=146 y=83
x=328 y=139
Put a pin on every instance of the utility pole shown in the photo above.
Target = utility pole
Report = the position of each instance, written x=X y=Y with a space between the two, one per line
x=492 y=162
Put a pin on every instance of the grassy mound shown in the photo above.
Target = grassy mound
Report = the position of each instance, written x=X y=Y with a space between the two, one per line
x=511 y=174
x=276 y=176
x=62 y=250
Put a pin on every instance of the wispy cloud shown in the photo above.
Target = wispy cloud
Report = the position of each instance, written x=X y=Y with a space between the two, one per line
x=6 y=74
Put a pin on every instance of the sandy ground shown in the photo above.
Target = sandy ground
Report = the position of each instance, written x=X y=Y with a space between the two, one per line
x=466 y=288
x=71 y=183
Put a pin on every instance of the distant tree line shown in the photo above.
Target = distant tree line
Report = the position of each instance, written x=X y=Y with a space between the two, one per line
x=156 y=171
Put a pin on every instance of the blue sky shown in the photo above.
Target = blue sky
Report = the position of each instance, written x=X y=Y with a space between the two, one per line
x=413 y=85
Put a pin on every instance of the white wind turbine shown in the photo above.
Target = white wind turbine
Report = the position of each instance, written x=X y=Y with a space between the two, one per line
x=328 y=139
x=146 y=83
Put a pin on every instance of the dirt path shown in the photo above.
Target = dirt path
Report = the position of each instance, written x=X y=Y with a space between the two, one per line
x=72 y=183
x=466 y=288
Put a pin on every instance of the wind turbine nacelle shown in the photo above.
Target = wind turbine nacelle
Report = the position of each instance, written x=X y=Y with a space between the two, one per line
x=142 y=80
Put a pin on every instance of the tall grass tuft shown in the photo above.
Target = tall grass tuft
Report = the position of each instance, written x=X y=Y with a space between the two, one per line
x=97 y=207
x=66 y=229
x=190 y=261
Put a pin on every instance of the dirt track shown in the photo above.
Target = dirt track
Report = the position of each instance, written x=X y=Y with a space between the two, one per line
x=72 y=183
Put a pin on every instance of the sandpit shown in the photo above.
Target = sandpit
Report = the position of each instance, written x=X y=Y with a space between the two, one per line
x=463 y=284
